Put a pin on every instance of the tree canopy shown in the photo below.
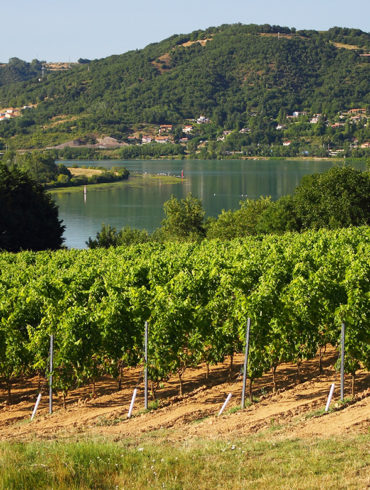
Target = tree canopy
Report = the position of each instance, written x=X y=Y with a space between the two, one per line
x=337 y=198
x=239 y=223
x=184 y=219
x=108 y=236
x=28 y=215
x=41 y=167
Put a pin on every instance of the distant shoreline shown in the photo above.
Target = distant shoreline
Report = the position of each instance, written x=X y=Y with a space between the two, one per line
x=241 y=157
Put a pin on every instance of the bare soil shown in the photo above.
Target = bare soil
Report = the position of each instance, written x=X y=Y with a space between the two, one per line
x=295 y=410
x=103 y=142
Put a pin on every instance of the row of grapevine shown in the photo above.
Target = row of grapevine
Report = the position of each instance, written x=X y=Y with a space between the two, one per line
x=296 y=288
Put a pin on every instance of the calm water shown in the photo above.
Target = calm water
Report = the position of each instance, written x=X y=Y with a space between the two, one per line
x=219 y=184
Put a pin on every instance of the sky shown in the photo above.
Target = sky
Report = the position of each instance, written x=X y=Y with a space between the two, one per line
x=66 y=30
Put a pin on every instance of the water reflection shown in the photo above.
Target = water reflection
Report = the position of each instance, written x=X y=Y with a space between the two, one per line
x=219 y=184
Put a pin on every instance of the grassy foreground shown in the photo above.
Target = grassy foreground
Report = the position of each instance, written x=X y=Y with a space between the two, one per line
x=258 y=462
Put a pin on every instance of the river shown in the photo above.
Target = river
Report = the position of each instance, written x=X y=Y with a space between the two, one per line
x=220 y=184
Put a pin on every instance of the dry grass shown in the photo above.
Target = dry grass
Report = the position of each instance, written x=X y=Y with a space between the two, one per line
x=276 y=34
x=57 y=120
x=59 y=66
x=84 y=172
x=203 y=42
x=163 y=64
x=345 y=46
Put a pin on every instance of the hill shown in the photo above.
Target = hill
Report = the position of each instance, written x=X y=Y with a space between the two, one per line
x=235 y=76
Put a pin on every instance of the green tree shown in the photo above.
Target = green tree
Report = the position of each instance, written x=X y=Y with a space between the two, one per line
x=133 y=236
x=108 y=236
x=184 y=219
x=105 y=238
x=239 y=223
x=334 y=199
x=41 y=167
x=28 y=216
x=280 y=217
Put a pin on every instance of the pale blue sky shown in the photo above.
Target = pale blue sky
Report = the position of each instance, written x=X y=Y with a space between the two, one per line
x=65 y=30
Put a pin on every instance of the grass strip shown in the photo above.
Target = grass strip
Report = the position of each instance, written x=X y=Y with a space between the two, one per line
x=136 y=181
x=257 y=462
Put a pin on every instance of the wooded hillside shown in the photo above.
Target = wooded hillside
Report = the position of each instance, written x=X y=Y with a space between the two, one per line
x=237 y=76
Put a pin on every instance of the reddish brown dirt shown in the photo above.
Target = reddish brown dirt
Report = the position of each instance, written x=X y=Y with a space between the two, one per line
x=292 y=410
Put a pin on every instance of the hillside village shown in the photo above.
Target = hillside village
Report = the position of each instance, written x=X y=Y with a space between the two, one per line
x=194 y=134
x=356 y=116
x=13 y=112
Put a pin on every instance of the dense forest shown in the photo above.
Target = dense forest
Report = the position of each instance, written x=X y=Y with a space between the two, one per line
x=237 y=76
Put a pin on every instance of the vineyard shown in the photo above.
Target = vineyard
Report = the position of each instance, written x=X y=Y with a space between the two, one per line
x=297 y=289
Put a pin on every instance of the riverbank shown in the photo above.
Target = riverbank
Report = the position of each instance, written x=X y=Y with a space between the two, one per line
x=135 y=181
